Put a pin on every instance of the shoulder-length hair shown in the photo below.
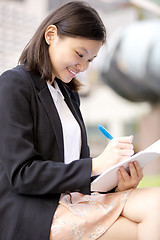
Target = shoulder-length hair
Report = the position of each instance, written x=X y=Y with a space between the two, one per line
x=74 y=19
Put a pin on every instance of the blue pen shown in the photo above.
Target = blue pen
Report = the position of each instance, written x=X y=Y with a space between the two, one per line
x=105 y=132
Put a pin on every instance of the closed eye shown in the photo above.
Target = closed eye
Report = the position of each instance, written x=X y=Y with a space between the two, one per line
x=79 y=54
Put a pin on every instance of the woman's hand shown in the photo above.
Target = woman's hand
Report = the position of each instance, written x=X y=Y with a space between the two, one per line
x=116 y=151
x=131 y=179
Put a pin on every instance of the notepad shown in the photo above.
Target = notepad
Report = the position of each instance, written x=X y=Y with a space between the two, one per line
x=108 y=179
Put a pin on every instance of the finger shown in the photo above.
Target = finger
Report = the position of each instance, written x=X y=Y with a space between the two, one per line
x=117 y=143
x=125 y=145
x=124 y=174
x=120 y=177
x=127 y=139
x=127 y=152
x=133 y=170
x=138 y=169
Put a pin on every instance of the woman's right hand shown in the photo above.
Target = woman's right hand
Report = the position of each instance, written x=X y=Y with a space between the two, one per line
x=117 y=150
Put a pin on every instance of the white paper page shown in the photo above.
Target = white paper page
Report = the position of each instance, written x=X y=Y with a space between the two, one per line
x=108 y=180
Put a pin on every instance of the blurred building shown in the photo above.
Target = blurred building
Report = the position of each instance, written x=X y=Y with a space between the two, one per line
x=19 y=19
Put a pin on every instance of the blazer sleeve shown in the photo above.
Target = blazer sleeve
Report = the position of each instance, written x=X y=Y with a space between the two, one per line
x=26 y=171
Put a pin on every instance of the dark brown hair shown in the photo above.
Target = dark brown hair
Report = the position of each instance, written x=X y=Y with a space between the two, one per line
x=74 y=19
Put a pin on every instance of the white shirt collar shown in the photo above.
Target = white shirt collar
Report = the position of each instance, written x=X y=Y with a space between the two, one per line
x=55 y=91
x=70 y=127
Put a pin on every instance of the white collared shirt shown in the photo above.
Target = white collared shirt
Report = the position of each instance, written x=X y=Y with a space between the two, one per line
x=70 y=126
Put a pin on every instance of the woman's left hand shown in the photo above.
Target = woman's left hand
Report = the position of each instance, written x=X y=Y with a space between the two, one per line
x=131 y=179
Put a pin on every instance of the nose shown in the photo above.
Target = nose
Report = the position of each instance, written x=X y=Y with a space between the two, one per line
x=82 y=66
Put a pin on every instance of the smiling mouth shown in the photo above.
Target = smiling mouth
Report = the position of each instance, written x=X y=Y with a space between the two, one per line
x=72 y=72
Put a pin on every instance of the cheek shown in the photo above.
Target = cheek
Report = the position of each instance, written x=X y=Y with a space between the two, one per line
x=55 y=59
x=62 y=57
x=68 y=60
x=51 y=54
x=87 y=65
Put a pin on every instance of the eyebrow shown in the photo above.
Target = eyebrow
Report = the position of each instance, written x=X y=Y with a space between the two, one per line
x=85 y=50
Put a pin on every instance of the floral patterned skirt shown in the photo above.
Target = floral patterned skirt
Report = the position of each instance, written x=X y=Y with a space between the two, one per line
x=86 y=217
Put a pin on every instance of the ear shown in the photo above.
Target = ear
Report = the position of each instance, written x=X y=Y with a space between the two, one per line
x=50 y=34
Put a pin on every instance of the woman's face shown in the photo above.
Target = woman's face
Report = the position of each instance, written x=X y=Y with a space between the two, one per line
x=69 y=56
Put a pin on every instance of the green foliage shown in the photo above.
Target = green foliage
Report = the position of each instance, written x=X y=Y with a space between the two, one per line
x=150 y=181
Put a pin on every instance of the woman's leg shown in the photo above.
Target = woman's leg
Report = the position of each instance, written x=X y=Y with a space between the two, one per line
x=122 y=229
x=143 y=207
x=140 y=218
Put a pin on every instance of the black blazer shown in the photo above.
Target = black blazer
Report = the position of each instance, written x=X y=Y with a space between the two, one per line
x=32 y=169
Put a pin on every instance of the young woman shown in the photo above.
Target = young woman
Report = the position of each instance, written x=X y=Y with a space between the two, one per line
x=45 y=165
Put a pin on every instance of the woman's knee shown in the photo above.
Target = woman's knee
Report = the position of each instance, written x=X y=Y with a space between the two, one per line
x=142 y=203
x=154 y=199
x=151 y=201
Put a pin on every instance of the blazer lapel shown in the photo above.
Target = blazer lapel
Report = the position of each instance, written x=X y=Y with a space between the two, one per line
x=51 y=110
x=48 y=103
